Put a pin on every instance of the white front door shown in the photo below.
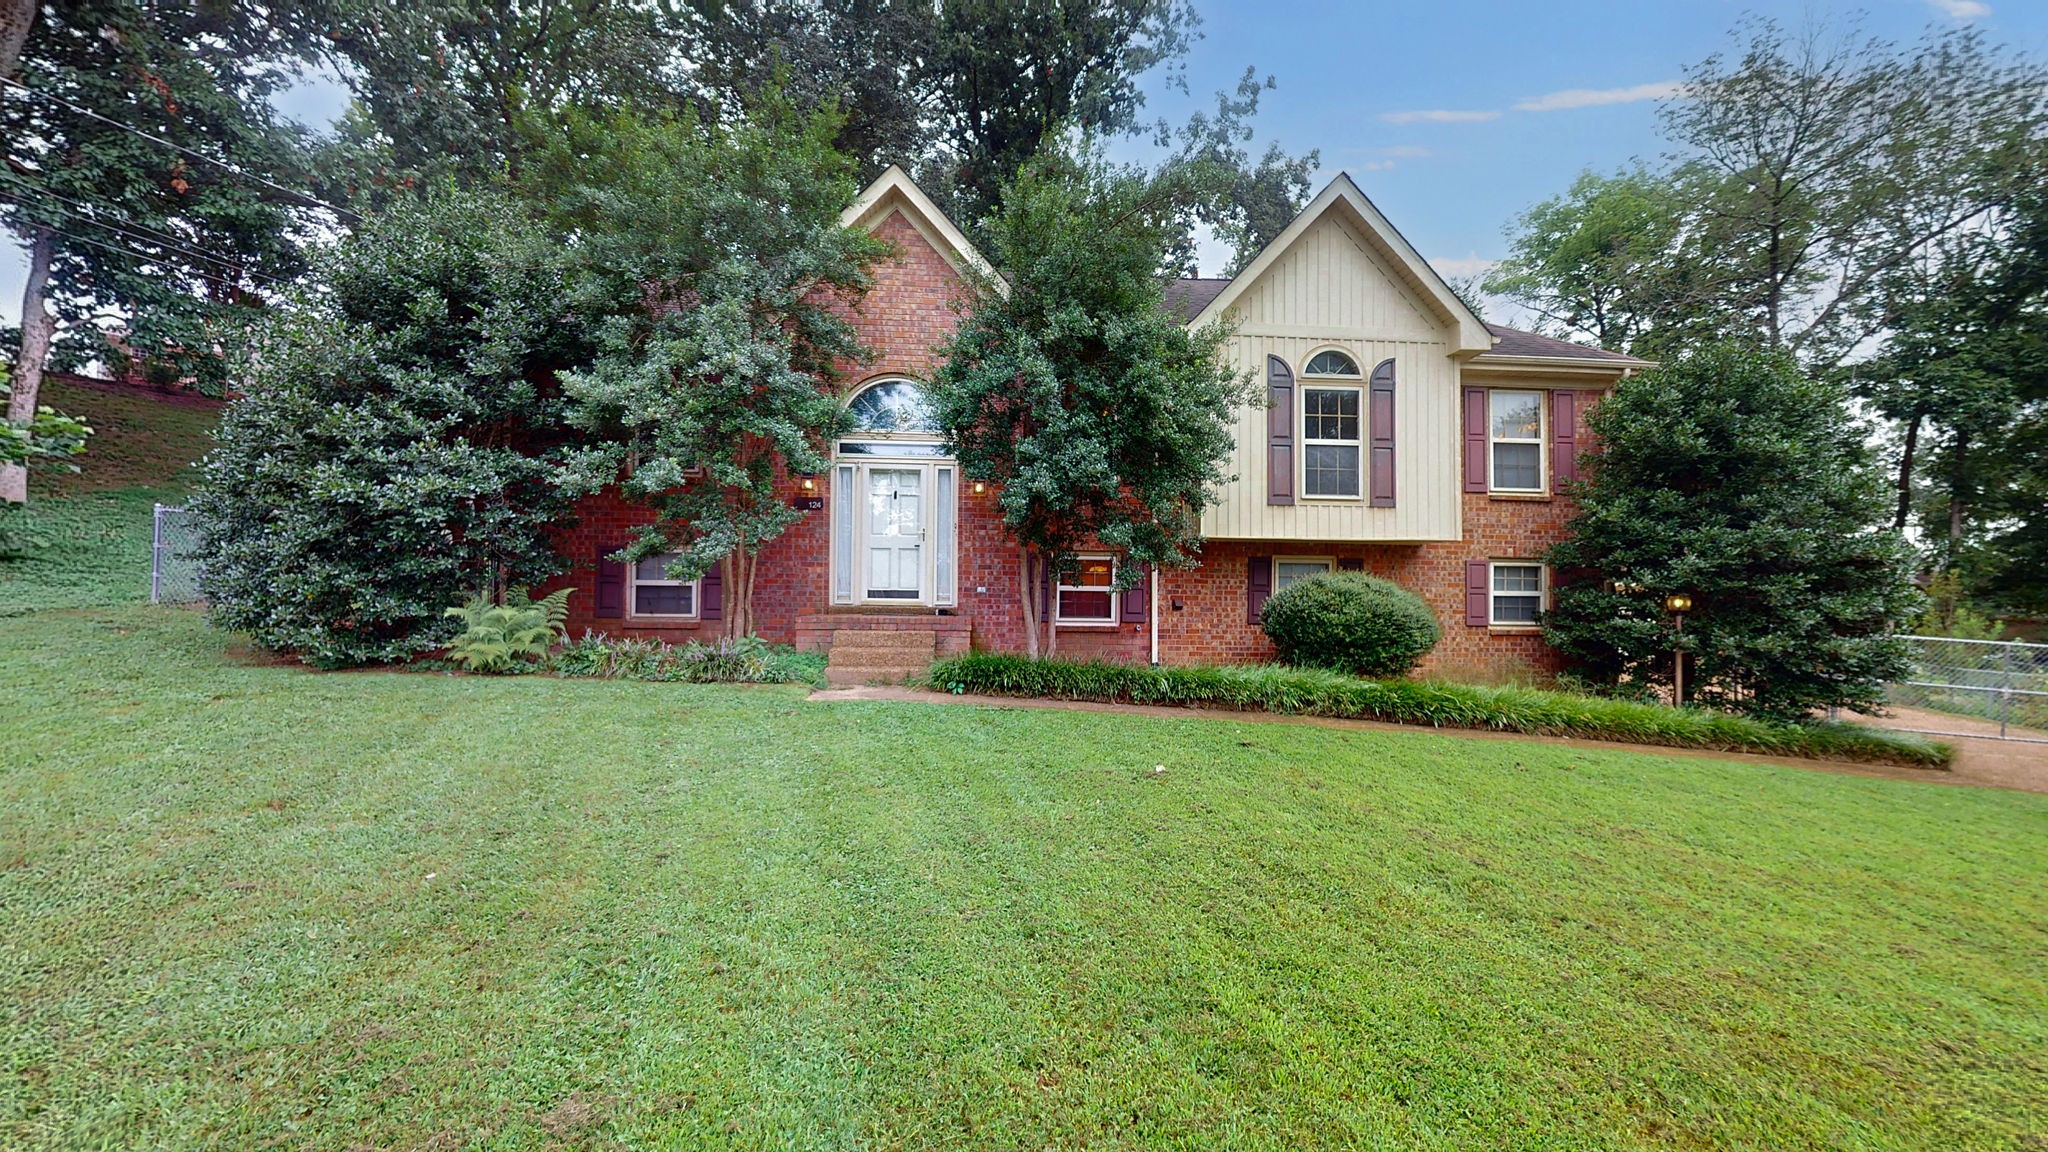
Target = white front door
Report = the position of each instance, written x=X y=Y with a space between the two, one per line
x=895 y=531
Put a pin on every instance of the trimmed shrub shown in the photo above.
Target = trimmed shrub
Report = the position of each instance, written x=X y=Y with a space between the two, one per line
x=1316 y=692
x=1350 y=622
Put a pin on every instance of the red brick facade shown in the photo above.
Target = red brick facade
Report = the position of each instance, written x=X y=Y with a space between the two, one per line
x=1202 y=612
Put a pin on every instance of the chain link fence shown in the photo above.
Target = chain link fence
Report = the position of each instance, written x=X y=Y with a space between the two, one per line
x=1999 y=681
x=173 y=569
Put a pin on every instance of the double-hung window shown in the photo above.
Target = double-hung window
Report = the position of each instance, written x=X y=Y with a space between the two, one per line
x=1515 y=440
x=1517 y=596
x=1332 y=447
x=653 y=593
x=1086 y=593
x=1290 y=569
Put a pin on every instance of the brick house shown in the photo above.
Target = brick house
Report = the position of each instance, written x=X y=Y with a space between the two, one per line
x=1403 y=436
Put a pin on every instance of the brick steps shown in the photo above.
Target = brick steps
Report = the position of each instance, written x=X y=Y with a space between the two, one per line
x=863 y=656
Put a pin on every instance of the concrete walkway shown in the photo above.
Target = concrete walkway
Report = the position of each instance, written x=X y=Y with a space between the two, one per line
x=1979 y=763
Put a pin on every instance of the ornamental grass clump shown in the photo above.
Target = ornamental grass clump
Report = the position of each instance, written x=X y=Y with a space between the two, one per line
x=1350 y=622
x=1320 y=692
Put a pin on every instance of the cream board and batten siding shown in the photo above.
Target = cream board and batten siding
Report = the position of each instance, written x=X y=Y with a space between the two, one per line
x=1329 y=291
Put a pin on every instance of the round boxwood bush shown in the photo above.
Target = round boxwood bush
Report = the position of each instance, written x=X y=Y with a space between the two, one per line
x=1350 y=622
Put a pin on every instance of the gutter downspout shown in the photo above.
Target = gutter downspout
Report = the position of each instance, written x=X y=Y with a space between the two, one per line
x=1152 y=578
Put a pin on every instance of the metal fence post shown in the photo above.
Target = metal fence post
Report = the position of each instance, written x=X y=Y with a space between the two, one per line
x=156 y=553
x=2005 y=695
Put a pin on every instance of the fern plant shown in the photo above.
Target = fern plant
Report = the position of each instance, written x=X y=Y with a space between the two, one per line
x=500 y=637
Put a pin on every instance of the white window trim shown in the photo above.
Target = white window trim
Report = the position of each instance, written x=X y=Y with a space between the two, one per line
x=1115 y=608
x=1493 y=594
x=634 y=582
x=1542 y=442
x=1333 y=384
x=1329 y=564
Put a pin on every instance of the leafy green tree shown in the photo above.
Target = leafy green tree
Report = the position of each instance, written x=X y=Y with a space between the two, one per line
x=1068 y=384
x=1822 y=165
x=1730 y=476
x=176 y=231
x=1964 y=373
x=465 y=88
x=386 y=458
x=1595 y=263
x=717 y=256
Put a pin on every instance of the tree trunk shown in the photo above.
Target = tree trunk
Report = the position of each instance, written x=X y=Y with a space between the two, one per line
x=1906 y=473
x=1024 y=590
x=736 y=594
x=1955 y=495
x=37 y=325
x=16 y=16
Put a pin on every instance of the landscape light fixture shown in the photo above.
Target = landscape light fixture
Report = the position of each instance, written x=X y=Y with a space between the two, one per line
x=1678 y=604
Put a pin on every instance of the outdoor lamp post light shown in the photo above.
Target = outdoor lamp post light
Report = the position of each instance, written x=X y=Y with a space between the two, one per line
x=1678 y=604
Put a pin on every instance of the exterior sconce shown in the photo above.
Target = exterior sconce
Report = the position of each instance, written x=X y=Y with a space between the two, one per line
x=810 y=482
x=980 y=486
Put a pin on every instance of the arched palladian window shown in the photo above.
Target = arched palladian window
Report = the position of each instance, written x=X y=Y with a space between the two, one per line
x=895 y=502
x=1330 y=362
x=1332 y=427
x=892 y=408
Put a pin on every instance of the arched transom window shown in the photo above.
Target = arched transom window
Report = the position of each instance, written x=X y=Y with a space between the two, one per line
x=1330 y=362
x=892 y=408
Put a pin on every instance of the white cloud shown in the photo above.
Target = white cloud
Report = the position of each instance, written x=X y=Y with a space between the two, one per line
x=1594 y=97
x=1376 y=165
x=1470 y=264
x=1440 y=116
x=1406 y=151
x=1960 y=9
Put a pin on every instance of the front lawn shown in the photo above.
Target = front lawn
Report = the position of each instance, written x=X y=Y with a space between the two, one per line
x=245 y=904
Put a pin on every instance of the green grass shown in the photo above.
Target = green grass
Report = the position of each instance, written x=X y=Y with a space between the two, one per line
x=138 y=441
x=248 y=904
x=1506 y=708
x=89 y=531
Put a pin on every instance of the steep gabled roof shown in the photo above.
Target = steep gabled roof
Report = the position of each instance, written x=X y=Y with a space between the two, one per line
x=1188 y=296
x=894 y=190
x=1343 y=197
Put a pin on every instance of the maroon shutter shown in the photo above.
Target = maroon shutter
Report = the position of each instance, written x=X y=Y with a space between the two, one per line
x=1381 y=395
x=1045 y=590
x=711 y=593
x=611 y=584
x=1475 y=439
x=1478 y=581
x=1258 y=584
x=1138 y=598
x=1350 y=564
x=1279 y=432
x=1564 y=447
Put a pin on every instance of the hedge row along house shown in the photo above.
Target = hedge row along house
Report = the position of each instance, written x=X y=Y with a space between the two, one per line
x=1403 y=436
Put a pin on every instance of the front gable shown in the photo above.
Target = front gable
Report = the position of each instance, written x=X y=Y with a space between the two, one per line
x=1341 y=263
x=1330 y=284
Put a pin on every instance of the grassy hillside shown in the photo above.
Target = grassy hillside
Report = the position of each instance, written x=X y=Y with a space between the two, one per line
x=89 y=531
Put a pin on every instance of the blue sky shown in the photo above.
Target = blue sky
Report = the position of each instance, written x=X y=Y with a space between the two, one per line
x=1456 y=116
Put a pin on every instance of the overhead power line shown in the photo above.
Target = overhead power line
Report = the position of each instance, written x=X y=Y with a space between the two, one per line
x=141 y=233
x=302 y=197
x=147 y=257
